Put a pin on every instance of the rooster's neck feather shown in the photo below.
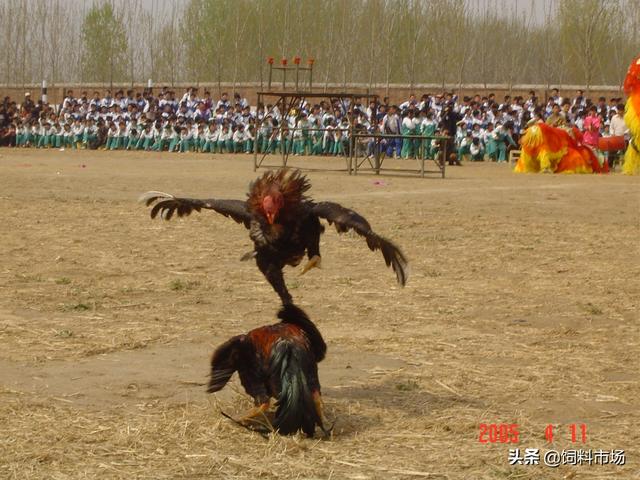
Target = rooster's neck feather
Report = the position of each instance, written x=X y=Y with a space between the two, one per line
x=291 y=184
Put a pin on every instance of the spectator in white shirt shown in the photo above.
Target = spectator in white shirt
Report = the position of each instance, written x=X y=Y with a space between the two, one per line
x=618 y=127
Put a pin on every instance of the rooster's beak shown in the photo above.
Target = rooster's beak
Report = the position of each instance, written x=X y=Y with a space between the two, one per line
x=271 y=217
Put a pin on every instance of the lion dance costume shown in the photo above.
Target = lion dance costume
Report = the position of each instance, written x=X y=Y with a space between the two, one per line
x=550 y=149
x=631 y=164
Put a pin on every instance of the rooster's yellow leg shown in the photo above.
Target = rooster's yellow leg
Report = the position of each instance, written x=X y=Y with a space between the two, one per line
x=314 y=262
x=257 y=412
x=317 y=401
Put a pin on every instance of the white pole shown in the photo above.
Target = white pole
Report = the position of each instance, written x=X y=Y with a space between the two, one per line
x=149 y=83
x=44 y=91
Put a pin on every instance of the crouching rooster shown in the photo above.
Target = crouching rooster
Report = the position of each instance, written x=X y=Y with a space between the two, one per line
x=283 y=223
x=277 y=361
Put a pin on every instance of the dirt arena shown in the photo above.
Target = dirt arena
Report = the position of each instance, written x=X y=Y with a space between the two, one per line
x=521 y=308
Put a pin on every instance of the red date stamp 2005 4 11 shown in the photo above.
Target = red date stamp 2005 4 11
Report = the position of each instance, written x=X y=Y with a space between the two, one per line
x=510 y=433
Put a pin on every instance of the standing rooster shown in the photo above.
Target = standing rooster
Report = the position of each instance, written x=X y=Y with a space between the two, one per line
x=283 y=224
x=279 y=361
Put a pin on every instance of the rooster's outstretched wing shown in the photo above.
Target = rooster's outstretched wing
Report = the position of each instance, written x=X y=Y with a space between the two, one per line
x=167 y=205
x=345 y=219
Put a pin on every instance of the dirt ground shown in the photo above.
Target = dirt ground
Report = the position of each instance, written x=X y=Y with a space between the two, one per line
x=521 y=308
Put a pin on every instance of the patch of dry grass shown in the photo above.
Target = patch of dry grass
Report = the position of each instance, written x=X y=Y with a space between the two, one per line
x=515 y=312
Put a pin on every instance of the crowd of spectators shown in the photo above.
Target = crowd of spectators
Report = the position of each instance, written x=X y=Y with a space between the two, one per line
x=480 y=127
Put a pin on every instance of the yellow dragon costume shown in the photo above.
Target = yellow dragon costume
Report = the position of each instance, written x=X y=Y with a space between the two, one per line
x=631 y=164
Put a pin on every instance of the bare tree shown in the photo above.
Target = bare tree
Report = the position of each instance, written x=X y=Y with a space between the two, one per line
x=24 y=51
x=260 y=27
x=240 y=24
x=55 y=36
x=133 y=23
x=370 y=28
x=514 y=32
x=327 y=45
x=8 y=45
x=40 y=15
x=586 y=27
x=389 y=40
x=411 y=28
x=344 y=36
x=467 y=48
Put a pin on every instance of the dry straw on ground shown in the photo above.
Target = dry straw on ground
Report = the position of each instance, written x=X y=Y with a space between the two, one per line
x=521 y=308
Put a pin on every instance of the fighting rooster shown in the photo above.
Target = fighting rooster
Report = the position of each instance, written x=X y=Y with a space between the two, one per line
x=283 y=224
x=631 y=164
x=276 y=361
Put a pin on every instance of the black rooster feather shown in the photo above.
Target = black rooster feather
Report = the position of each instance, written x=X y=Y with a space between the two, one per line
x=277 y=361
x=283 y=223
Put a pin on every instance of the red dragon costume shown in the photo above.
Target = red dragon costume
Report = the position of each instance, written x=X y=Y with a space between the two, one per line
x=556 y=150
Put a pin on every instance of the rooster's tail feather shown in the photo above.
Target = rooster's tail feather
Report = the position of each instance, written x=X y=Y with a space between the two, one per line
x=297 y=374
x=224 y=363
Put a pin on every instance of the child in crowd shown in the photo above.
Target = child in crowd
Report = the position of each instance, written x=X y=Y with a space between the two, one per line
x=111 y=136
x=174 y=132
x=328 y=138
x=211 y=138
x=89 y=134
x=45 y=135
x=146 y=139
x=133 y=138
x=185 y=140
x=199 y=139
x=476 y=150
x=78 y=133
x=22 y=134
x=238 y=139
x=66 y=136
x=249 y=138
x=464 y=147
x=57 y=135
x=225 y=139
x=273 y=142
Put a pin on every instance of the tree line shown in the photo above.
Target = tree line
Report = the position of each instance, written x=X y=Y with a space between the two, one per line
x=369 y=42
